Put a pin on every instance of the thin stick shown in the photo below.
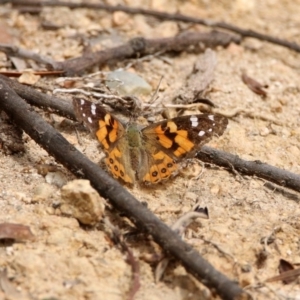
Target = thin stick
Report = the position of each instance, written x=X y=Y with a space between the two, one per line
x=11 y=50
x=118 y=238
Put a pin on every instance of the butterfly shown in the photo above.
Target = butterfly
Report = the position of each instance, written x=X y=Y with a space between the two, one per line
x=148 y=154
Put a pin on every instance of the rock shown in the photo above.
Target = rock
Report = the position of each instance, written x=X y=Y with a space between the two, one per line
x=215 y=189
x=82 y=202
x=28 y=77
x=191 y=197
x=127 y=83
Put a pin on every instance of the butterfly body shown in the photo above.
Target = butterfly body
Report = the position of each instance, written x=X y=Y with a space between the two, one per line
x=150 y=154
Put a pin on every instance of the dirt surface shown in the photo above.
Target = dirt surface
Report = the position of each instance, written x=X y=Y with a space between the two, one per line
x=251 y=226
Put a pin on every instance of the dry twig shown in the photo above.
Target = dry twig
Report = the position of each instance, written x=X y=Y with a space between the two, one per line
x=11 y=50
x=140 y=46
x=59 y=105
x=287 y=272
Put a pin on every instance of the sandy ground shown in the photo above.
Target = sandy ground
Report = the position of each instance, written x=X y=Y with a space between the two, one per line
x=67 y=261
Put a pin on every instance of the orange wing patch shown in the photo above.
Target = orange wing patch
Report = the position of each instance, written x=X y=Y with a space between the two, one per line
x=180 y=140
x=163 y=140
x=108 y=131
x=164 y=166
x=102 y=134
x=115 y=166
x=153 y=175
x=184 y=144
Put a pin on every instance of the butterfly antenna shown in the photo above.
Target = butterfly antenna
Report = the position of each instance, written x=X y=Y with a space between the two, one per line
x=153 y=98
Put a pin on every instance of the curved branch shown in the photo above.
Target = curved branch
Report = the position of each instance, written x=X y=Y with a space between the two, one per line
x=257 y=168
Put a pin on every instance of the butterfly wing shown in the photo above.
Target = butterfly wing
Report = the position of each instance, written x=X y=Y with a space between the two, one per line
x=110 y=133
x=163 y=144
x=156 y=165
x=183 y=136
x=169 y=141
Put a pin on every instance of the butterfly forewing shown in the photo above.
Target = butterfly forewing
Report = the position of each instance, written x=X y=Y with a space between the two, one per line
x=88 y=113
x=107 y=128
x=182 y=136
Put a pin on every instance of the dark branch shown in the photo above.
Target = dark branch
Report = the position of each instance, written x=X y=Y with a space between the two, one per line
x=134 y=48
x=165 y=16
x=57 y=146
x=58 y=105
x=257 y=168
x=140 y=46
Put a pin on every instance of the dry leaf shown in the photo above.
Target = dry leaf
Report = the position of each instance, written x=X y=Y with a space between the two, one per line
x=15 y=232
x=253 y=85
x=283 y=267
x=287 y=273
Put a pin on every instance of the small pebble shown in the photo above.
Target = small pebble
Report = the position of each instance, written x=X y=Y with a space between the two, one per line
x=264 y=131
x=56 y=178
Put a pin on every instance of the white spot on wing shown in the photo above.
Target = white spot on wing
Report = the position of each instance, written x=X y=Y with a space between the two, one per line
x=93 y=109
x=90 y=120
x=210 y=130
x=211 y=117
x=83 y=114
x=194 y=121
x=82 y=101
x=201 y=133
